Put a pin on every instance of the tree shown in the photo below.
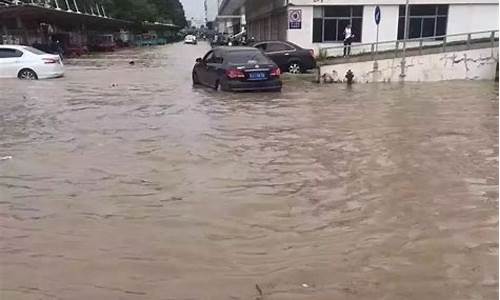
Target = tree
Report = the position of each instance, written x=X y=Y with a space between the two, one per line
x=134 y=10
x=170 y=11
x=166 y=11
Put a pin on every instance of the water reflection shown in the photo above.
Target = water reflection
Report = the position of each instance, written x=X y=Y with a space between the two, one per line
x=126 y=182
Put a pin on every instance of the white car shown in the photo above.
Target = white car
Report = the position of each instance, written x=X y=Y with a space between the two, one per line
x=190 y=39
x=28 y=63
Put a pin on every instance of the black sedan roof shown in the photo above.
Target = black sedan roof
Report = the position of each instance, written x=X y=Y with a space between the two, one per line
x=277 y=41
x=231 y=48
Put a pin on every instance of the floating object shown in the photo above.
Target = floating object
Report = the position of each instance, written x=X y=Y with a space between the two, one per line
x=327 y=78
x=259 y=290
x=305 y=285
x=131 y=63
x=5 y=157
x=349 y=76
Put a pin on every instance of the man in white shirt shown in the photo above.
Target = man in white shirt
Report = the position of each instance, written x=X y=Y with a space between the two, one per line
x=348 y=36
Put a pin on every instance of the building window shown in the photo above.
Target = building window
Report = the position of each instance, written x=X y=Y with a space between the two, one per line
x=329 y=23
x=425 y=21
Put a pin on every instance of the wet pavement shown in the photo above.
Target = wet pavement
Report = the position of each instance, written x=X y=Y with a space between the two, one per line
x=123 y=182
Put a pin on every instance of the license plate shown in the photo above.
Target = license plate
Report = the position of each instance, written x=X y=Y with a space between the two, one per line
x=257 y=76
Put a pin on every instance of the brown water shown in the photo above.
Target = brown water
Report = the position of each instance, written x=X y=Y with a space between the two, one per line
x=124 y=182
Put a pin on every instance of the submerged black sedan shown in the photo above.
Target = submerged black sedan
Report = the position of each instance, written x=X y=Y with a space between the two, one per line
x=237 y=69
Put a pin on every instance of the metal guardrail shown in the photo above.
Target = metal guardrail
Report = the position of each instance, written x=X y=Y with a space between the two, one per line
x=414 y=44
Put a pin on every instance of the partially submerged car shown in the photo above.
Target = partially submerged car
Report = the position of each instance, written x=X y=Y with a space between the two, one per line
x=28 y=63
x=237 y=69
x=190 y=39
x=288 y=56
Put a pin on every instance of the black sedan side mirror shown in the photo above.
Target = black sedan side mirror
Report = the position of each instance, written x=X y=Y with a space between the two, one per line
x=199 y=60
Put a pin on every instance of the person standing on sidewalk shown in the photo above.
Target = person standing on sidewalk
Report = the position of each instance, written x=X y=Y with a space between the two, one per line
x=348 y=36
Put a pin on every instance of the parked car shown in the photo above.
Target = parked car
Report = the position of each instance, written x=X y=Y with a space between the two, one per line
x=237 y=69
x=28 y=63
x=103 y=42
x=76 y=51
x=288 y=56
x=190 y=39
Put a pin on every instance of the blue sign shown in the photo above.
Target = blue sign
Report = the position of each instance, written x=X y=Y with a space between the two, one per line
x=377 y=15
x=295 y=19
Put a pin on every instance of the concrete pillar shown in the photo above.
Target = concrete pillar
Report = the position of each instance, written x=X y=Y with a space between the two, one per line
x=57 y=5
x=20 y=25
x=270 y=28
x=243 y=21
x=258 y=30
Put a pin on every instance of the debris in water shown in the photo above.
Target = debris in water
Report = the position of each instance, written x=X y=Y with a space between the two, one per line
x=305 y=285
x=349 y=76
x=131 y=63
x=172 y=199
x=259 y=290
x=5 y=157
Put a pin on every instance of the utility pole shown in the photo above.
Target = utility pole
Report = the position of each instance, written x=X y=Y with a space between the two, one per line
x=407 y=22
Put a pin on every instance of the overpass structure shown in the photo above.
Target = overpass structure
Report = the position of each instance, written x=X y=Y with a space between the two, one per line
x=32 y=22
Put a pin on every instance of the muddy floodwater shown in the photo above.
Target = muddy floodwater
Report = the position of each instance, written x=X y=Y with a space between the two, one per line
x=123 y=181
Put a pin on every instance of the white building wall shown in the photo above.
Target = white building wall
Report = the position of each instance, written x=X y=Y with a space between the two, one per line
x=468 y=18
x=388 y=27
x=303 y=37
x=388 y=30
x=477 y=64
x=464 y=16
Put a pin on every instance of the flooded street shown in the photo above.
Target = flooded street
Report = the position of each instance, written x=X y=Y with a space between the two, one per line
x=124 y=182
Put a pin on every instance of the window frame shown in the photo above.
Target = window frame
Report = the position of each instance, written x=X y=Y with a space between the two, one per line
x=205 y=58
x=436 y=17
x=337 y=19
x=17 y=53
x=217 y=57
x=288 y=48
x=263 y=44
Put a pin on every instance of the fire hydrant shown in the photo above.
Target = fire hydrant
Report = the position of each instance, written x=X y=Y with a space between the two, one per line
x=349 y=76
